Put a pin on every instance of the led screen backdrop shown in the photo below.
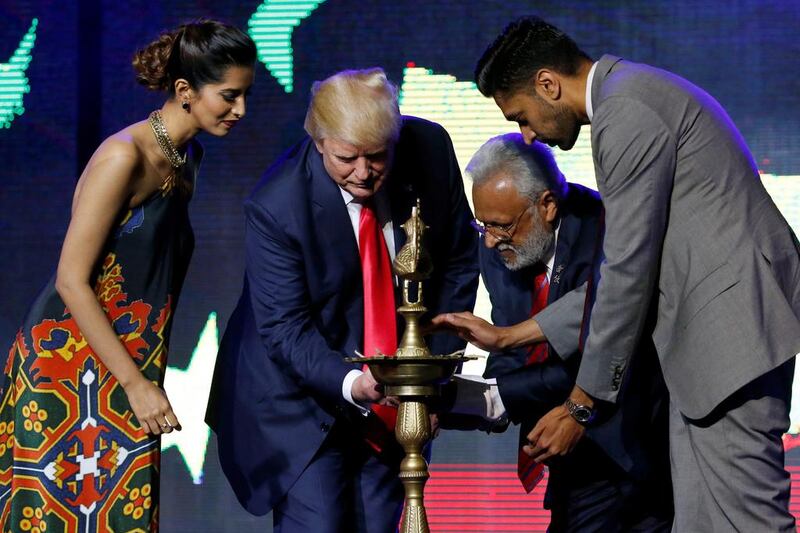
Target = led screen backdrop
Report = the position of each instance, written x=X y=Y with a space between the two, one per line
x=66 y=83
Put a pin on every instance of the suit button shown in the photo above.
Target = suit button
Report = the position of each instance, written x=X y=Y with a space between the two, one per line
x=615 y=386
x=325 y=427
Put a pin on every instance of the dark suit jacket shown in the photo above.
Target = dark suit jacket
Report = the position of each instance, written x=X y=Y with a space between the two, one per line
x=278 y=380
x=629 y=434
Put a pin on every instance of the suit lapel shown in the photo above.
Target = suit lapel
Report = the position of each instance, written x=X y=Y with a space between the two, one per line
x=336 y=240
x=568 y=234
x=331 y=220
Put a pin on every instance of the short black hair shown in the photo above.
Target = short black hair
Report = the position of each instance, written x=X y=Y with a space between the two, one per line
x=525 y=46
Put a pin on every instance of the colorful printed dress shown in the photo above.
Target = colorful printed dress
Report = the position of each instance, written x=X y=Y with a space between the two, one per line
x=73 y=457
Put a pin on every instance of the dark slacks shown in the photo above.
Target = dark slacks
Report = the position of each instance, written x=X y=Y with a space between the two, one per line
x=347 y=488
x=588 y=492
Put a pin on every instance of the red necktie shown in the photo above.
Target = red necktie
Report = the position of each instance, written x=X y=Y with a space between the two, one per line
x=380 y=326
x=529 y=471
x=541 y=290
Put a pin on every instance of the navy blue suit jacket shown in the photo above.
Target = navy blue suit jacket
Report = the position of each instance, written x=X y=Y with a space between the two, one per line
x=277 y=384
x=629 y=434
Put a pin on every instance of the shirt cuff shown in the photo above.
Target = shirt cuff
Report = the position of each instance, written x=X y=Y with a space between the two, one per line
x=496 y=408
x=478 y=397
x=347 y=390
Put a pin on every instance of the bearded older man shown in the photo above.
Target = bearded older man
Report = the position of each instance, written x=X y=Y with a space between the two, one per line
x=542 y=240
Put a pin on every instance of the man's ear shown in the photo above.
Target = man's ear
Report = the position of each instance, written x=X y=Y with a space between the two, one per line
x=547 y=84
x=548 y=206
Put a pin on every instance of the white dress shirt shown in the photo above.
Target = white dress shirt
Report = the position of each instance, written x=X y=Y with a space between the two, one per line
x=589 y=79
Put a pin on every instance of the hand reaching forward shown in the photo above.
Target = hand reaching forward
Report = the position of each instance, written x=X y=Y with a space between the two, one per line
x=556 y=433
x=151 y=407
x=472 y=329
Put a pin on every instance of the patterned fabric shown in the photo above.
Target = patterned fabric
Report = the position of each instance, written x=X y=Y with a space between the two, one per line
x=528 y=470
x=73 y=457
x=380 y=326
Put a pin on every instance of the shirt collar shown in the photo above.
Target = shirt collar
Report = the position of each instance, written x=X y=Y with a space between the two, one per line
x=346 y=196
x=380 y=198
x=589 y=79
x=552 y=260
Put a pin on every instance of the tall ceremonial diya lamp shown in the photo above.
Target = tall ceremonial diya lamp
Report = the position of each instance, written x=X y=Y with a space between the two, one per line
x=413 y=374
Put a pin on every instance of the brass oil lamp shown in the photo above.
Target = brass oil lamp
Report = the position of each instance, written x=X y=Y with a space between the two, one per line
x=413 y=374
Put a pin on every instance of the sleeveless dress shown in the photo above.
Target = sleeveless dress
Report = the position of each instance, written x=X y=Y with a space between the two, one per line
x=73 y=457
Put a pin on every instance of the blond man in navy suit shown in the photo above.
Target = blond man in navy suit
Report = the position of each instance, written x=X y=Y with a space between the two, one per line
x=289 y=412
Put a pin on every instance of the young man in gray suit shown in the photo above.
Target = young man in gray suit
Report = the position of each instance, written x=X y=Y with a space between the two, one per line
x=693 y=239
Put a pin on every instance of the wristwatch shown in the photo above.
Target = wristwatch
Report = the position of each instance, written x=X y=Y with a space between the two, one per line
x=583 y=414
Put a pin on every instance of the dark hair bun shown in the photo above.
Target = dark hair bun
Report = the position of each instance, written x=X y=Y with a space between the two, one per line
x=199 y=52
x=151 y=62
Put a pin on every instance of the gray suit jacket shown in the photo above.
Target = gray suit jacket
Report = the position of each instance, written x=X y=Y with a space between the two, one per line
x=691 y=236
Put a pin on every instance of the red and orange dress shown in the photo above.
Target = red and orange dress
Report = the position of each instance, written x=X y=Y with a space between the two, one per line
x=73 y=457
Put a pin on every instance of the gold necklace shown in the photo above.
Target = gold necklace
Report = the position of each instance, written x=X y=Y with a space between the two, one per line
x=168 y=149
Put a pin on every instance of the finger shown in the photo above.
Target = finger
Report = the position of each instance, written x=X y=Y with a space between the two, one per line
x=440 y=324
x=144 y=425
x=537 y=451
x=439 y=319
x=461 y=319
x=164 y=424
x=543 y=457
x=155 y=427
x=172 y=420
x=534 y=452
x=538 y=445
x=536 y=432
x=460 y=322
x=528 y=449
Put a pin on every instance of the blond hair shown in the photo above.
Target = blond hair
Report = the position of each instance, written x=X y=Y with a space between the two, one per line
x=358 y=107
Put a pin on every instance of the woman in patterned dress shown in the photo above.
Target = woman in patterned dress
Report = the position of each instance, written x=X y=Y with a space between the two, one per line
x=81 y=405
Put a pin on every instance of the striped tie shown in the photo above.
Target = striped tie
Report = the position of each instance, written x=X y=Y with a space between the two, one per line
x=529 y=471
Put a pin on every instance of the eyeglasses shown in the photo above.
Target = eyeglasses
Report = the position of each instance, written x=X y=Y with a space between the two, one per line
x=501 y=232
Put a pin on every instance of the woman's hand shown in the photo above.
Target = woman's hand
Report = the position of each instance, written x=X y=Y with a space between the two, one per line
x=151 y=407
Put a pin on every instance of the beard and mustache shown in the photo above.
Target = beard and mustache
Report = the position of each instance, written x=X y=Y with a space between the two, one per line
x=534 y=249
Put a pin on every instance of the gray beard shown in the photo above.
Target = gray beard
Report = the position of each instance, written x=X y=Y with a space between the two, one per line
x=533 y=250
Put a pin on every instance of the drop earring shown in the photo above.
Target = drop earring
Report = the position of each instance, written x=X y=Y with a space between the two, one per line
x=185 y=105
